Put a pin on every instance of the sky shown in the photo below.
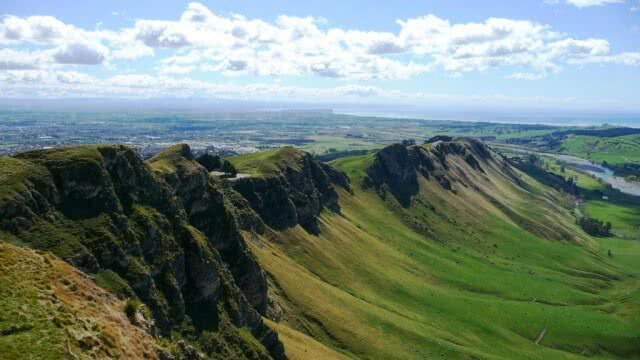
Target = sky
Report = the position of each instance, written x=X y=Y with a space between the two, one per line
x=582 y=55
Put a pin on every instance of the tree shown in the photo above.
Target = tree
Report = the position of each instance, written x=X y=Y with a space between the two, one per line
x=228 y=168
x=210 y=162
x=562 y=169
x=594 y=227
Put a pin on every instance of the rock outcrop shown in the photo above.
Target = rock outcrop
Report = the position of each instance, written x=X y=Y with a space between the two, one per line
x=396 y=168
x=296 y=193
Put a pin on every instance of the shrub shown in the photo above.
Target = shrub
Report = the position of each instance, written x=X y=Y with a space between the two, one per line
x=131 y=307
x=228 y=168
x=210 y=162
x=594 y=227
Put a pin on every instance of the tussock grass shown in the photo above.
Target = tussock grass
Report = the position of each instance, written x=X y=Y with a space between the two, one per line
x=49 y=310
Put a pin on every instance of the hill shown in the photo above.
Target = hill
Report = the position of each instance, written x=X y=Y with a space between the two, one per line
x=415 y=251
x=446 y=250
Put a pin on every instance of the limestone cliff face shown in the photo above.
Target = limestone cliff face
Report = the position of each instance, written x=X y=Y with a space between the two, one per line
x=172 y=233
x=296 y=194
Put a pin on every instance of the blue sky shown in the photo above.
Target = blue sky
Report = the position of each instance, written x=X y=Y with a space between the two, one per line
x=534 y=54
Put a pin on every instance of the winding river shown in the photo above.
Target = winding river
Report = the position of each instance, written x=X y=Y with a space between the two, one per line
x=585 y=166
x=601 y=172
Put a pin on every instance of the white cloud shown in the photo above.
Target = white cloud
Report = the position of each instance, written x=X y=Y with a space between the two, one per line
x=81 y=53
x=161 y=34
x=628 y=58
x=132 y=52
x=200 y=40
x=61 y=84
x=37 y=29
x=359 y=90
x=586 y=3
x=21 y=60
x=527 y=76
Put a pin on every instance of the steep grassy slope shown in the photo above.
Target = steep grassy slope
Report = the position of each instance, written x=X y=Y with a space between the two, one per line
x=479 y=262
x=49 y=310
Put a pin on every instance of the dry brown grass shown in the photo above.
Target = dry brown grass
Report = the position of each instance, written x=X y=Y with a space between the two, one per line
x=60 y=312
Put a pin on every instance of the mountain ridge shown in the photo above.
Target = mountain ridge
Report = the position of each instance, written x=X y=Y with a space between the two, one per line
x=344 y=259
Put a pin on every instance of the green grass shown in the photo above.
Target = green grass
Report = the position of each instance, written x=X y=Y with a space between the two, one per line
x=614 y=150
x=269 y=162
x=322 y=145
x=454 y=277
x=113 y=283
x=172 y=158
x=24 y=309
x=16 y=174
x=49 y=310
x=622 y=211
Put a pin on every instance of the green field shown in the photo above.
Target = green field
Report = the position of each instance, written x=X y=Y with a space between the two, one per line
x=326 y=144
x=614 y=150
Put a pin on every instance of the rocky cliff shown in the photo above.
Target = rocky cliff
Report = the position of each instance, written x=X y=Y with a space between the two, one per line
x=163 y=230
x=396 y=168
x=294 y=192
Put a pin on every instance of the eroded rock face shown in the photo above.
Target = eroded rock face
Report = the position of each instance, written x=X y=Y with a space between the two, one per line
x=296 y=195
x=396 y=167
x=269 y=197
x=166 y=228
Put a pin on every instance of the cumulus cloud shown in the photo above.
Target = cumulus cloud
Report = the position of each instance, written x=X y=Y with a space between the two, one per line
x=201 y=40
x=40 y=29
x=80 y=53
x=161 y=34
x=20 y=60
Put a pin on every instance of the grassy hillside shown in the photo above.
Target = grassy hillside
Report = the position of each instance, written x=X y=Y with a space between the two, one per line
x=622 y=211
x=267 y=162
x=52 y=311
x=614 y=150
x=480 y=272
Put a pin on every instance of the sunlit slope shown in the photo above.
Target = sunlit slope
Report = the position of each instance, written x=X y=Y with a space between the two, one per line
x=478 y=270
x=50 y=310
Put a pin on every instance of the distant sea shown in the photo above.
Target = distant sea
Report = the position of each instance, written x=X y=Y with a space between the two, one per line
x=505 y=118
